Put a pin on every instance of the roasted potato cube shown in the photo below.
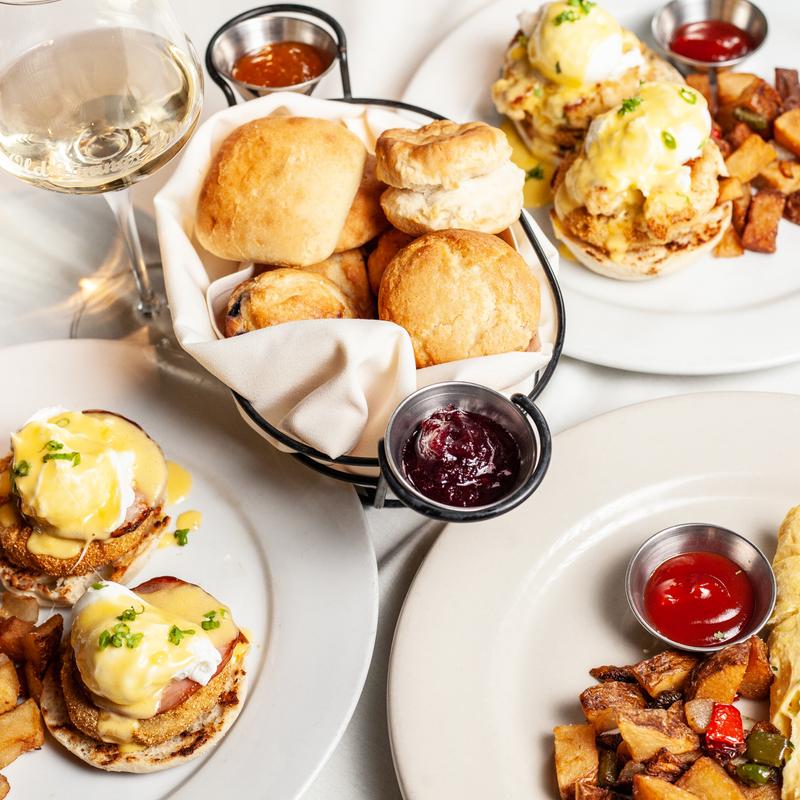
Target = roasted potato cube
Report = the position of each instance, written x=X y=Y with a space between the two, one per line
x=769 y=791
x=731 y=85
x=42 y=643
x=20 y=606
x=740 y=207
x=9 y=684
x=5 y=787
x=577 y=758
x=701 y=83
x=610 y=673
x=758 y=676
x=645 y=787
x=750 y=158
x=709 y=780
x=761 y=231
x=664 y=672
x=738 y=133
x=762 y=99
x=698 y=714
x=649 y=730
x=720 y=676
x=588 y=791
x=12 y=635
x=787 y=130
x=20 y=730
x=791 y=210
x=33 y=683
x=670 y=767
x=782 y=175
x=602 y=703
x=730 y=245
x=629 y=769
x=729 y=189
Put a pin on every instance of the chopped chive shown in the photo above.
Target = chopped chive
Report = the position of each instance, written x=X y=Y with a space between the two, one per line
x=209 y=623
x=181 y=536
x=669 y=140
x=75 y=458
x=689 y=96
x=629 y=104
x=22 y=469
x=98 y=585
x=175 y=634
x=53 y=445
x=130 y=614
x=62 y=422
x=537 y=173
x=104 y=640
x=558 y=67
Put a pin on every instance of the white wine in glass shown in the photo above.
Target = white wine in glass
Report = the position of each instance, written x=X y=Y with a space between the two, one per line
x=96 y=95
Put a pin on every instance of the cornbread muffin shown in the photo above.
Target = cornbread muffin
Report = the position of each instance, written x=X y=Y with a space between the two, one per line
x=279 y=191
x=442 y=154
x=366 y=219
x=349 y=272
x=284 y=295
x=387 y=248
x=461 y=294
x=488 y=203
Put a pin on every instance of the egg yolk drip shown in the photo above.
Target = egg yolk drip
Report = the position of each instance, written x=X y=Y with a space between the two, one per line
x=78 y=474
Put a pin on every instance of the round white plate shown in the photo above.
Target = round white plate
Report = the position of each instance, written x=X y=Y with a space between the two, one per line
x=287 y=550
x=505 y=618
x=717 y=316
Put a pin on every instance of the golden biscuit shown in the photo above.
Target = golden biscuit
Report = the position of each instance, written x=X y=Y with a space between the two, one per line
x=442 y=154
x=284 y=295
x=387 y=248
x=349 y=272
x=461 y=294
x=365 y=219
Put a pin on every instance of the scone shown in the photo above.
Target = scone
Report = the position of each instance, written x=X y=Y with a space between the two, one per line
x=284 y=295
x=389 y=244
x=447 y=175
x=461 y=294
x=366 y=219
x=349 y=272
x=279 y=191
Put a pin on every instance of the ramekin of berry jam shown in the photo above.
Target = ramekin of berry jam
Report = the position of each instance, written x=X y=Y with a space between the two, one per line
x=461 y=452
x=700 y=587
x=708 y=34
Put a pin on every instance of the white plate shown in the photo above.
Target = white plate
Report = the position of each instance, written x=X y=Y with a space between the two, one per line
x=505 y=618
x=717 y=316
x=287 y=550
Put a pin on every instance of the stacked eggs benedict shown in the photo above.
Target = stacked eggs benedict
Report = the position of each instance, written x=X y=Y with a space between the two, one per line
x=640 y=198
x=149 y=678
x=570 y=62
x=80 y=493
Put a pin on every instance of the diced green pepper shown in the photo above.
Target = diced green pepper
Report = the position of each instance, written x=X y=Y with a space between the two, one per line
x=607 y=771
x=758 y=122
x=769 y=749
x=755 y=774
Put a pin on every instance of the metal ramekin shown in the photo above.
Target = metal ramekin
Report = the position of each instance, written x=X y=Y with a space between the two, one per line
x=741 y=13
x=519 y=416
x=700 y=537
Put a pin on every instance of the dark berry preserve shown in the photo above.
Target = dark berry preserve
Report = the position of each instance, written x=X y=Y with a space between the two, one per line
x=461 y=458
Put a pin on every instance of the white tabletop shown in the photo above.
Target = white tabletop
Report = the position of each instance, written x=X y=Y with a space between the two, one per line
x=50 y=242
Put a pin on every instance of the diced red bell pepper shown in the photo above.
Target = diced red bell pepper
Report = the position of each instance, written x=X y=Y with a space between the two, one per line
x=725 y=733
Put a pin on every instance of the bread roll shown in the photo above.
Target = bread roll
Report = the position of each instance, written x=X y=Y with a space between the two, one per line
x=279 y=190
x=461 y=294
x=349 y=272
x=366 y=219
x=387 y=248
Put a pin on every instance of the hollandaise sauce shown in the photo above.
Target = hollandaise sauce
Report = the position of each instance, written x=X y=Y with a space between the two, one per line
x=78 y=474
x=130 y=646
x=187 y=522
x=179 y=483
x=699 y=599
x=538 y=169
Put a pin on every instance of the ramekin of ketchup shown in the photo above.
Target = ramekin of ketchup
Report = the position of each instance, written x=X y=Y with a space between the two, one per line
x=711 y=41
x=700 y=587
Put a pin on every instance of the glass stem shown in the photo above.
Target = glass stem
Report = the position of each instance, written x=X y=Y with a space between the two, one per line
x=122 y=205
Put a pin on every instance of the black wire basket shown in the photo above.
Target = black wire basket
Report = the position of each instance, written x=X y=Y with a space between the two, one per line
x=372 y=488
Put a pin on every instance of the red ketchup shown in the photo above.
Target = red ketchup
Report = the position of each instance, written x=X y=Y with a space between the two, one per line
x=711 y=40
x=461 y=458
x=699 y=599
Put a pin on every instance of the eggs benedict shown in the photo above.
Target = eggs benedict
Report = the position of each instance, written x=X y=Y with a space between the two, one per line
x=81 y=494
x=569 y=62
x=640 y=199
x=149 y=677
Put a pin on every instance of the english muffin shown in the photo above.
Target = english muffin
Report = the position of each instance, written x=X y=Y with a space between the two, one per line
x=284 y=295
x=461 y=294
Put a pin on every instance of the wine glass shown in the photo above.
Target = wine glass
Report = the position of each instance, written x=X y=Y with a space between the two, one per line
x=94 y=96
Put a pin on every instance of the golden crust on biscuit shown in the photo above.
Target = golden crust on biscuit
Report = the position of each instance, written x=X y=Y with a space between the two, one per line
x=461 y=294
x=387 y=248
x=284 y=295
x=366 y=219
x=442 y=154
x=279 y=191
x=349 y=272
